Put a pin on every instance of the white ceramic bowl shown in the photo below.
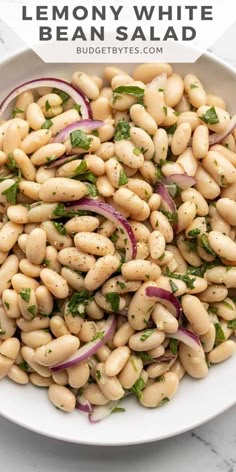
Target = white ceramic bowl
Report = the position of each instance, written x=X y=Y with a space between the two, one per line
x=197 y=401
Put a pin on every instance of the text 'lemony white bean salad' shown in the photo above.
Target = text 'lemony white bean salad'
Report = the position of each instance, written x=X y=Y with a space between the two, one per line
x=117 y=236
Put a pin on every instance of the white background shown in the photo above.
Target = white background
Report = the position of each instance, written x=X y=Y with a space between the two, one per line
x=210 y=448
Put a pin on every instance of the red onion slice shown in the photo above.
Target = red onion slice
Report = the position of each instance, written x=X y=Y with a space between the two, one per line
x=217 y=138
x=99 y=413
x=166 y=298
x=168 y=205
x=109 y=213
x=60 y=84
x=83 y=405
x=186 y=337
x=90 y=348
x=183 y=181
x=83 y=125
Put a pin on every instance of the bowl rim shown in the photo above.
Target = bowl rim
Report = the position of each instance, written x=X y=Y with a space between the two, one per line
x=34 y=428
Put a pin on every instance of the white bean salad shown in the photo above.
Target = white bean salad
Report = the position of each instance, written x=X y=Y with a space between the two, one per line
x=117 y=236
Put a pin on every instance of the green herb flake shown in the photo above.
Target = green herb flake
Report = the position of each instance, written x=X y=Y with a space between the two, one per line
x=171 y=129
x=32 y=310
x=123 y=179
x=174 y=287
x=11 y=193
x=161 y=90
x=146 y=334
x=60 y=228
x=7 y=305
x=82 y=167
x=122 y=130
x=98 y=335
x=144 y=356
x=87 y=177
x=16 y=111
x=213 y=309
x=24 y=366
x=172 y=217
x=63 y=95
x=77 y=302
x=91 y=189
x=184 y=277
x=118 y=410
x=161 y=378
x=77 y=107
x=173 y=346
x=79 y=139
x=132 y=90
x=194 y=233
x=232 y=324
x=137 y=388
x=165 y=110
x=210 y=117
x=47 y=124
x=2 y=332
x=122 y=285
x=137 y=151
x=114 y=299
x=206 y=246
x=98 y=374
x=228 y=305
x=193 y=86
x=47 y=105
x=220 y=337
x=163 y=402
x=25 y=294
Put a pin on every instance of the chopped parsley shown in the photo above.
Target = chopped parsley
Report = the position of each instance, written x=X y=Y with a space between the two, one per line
x=137 y=150
x=16 y=111
x=232 y=324
x=132 y=90
x=114 y=299
x=47 y=124
x=137 y=388
x=11 y=163
x=228 y=305
x=122 y=285
x=79 y=139
x=184 y=277
x=63 y=95
x=77 y=302
x=82 y=167
x=210 y=117
x=61 y=211
x=118 y=410
x=173 y=346
x=171 y=129
x=77 y=107
x=91 y=189
x=165 y=110
x=2 y=332
x=206 y=246
x=11 y=193
x=24 y=366
x=98 y=374
x=144 y=356
x=172 y=217
x=7 y=305
x=146 y=334
x=47 y=105
x=86 y=177
x=123 y=179
x=25 y=294
x=174 y=287
x=60 y=228
x=98 y=335
x=32 y=310
x=122 y=130
x=164 y=401
x=194 y=233
x=193 y=86
x=213 y=309
x=220 y=337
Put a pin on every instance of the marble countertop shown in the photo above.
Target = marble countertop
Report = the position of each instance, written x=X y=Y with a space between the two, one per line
x=211 y=447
